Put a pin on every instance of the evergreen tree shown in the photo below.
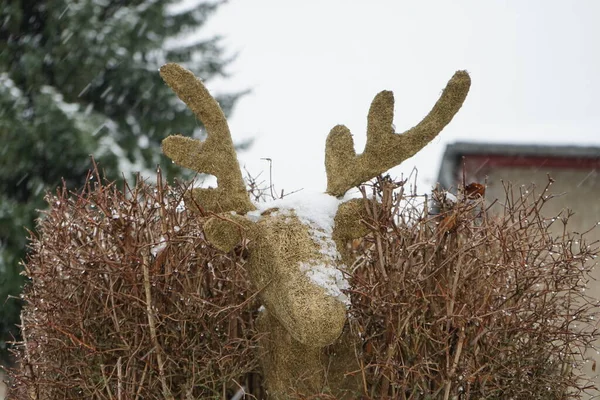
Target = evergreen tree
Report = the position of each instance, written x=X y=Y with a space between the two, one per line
x=81 y=78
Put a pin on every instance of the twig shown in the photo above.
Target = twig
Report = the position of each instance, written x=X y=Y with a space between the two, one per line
x=152 y=326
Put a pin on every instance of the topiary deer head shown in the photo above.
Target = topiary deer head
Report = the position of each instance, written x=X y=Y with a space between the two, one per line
x=294 y=261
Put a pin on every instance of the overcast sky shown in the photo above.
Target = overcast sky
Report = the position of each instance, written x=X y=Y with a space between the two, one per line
x=312 y=64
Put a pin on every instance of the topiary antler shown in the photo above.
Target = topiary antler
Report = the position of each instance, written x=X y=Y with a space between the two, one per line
x=386 y=149
x=216 y=155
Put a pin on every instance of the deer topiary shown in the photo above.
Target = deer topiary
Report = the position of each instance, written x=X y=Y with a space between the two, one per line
x=297 y=262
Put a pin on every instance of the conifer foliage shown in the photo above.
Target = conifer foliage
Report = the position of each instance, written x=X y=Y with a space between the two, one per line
x=80 y=78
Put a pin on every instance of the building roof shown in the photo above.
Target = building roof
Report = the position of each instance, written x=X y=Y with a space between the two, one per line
x=515 y=155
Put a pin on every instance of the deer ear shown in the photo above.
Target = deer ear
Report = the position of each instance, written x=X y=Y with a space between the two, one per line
x=349 y=225
x=225 y=234
x=348 y=218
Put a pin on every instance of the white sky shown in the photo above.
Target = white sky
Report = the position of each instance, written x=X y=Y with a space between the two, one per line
x=312 y=64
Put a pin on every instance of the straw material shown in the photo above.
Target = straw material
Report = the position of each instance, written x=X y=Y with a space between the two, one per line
x=278 y=246
x=386 y=149
x=300 y=318
x=349 y=225
x=289 y=366
x=214 y=156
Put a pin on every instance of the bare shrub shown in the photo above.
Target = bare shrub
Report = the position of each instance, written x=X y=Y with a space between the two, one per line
x=469 y=305
x=127 y=301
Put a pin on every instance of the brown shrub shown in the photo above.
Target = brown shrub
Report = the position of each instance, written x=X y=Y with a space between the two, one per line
x=468 y=305
x=127 y=301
